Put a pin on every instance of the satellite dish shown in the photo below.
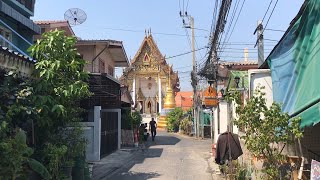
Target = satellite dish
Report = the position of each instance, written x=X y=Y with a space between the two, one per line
x=75 y=16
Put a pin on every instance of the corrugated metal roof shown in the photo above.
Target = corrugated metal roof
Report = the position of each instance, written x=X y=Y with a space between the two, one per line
x=50 y=22
x=17 y=54
x=99 y=40
x=240 y=63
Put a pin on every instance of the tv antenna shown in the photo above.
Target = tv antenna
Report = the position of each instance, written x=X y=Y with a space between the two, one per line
x=75 y=16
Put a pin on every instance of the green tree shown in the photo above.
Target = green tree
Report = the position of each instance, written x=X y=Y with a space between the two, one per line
x=135 y=119
x=16 y=116
x=265 y=128
x=59 y=84
x=173 y=119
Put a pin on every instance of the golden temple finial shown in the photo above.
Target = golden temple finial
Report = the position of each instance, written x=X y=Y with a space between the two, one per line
x=145 y=32
x=169 y=102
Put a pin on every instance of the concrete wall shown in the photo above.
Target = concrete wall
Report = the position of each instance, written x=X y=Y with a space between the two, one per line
x=92 y=131
x=261 y=77
x=88 y=54
x=220 y=124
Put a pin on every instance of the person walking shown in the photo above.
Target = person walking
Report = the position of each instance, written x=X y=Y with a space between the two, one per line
x=153 y=128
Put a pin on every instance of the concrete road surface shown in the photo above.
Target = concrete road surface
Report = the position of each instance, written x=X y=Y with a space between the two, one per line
x=170 y=157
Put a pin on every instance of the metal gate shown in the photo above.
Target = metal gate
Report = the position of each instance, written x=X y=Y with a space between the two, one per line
x=109 y=132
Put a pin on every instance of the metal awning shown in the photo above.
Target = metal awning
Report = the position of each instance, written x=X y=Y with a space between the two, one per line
x=115 y=48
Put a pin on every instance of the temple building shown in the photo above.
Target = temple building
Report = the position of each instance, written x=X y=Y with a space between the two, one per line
x=148 y=79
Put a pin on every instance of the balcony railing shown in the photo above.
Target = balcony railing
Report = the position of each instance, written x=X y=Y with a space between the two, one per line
x=29 y=4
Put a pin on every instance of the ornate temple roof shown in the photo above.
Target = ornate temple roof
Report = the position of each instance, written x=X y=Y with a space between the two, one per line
x=149 y=41
x=149 y=59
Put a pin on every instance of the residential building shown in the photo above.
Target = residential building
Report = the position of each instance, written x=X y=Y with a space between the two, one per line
x=103 y=120
x=16 y=25
x=47 y=26
x=16 y=35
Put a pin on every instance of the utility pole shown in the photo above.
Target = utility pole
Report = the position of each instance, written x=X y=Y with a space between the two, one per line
x=259 y=31
x=194 y=71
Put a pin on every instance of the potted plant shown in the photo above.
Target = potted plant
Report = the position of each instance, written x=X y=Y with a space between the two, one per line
x=66 y=168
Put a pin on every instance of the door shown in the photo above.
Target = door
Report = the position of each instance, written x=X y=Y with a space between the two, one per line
x=109 y=132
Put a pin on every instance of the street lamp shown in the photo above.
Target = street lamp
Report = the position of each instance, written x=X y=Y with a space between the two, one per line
x=237 y=80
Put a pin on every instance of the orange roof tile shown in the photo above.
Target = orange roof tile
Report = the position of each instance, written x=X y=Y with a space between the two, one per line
x=184 y=99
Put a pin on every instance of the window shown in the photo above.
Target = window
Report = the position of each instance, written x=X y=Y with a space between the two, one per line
x=110 y=70
x=5 y=33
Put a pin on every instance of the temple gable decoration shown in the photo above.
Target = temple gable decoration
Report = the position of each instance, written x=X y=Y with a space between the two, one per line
x=148 y=75
x=146 y=59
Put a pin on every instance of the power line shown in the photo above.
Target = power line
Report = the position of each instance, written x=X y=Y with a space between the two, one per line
x=246 y=44
x=222 y=17
x=187 y=5
x=277 y=30
x=270 y=15
x=185 y=53
x=243 y=49
x=183 y=67
x=183 y=6
x=188 y=37
x=198 y=47
x=271 y=40
x=183 y=72
x=267 y=10
x=236 y=20
x=139 y=31
x=235 y=8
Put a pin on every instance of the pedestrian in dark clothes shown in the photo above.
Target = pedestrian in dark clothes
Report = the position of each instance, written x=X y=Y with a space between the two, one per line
x=153 y=128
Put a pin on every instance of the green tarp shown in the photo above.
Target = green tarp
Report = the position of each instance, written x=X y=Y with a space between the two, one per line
x=295 y=66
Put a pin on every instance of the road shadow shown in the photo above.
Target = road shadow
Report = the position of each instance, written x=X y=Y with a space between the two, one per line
x=152 y=153
x=135 y=176
x=148 y=150
x=163 y=140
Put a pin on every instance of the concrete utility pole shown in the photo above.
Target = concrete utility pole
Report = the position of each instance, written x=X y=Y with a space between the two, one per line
x=259 y=31
x=194 y=72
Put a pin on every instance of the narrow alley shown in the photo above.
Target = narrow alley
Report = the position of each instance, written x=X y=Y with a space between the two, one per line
x=171 y=156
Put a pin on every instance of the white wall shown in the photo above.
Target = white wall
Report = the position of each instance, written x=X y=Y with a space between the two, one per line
x=92 y=131
x=261 y=77
x=221 y=124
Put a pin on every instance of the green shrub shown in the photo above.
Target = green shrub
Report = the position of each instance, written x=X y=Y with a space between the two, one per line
x=136 y=119
x=173 y=119
x=186 y=125
x=265 y=128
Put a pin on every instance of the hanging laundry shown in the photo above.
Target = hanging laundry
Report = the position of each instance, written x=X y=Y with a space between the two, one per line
x=225 y=141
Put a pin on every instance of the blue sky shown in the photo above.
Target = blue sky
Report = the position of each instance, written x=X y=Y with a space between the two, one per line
x=126 y=20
